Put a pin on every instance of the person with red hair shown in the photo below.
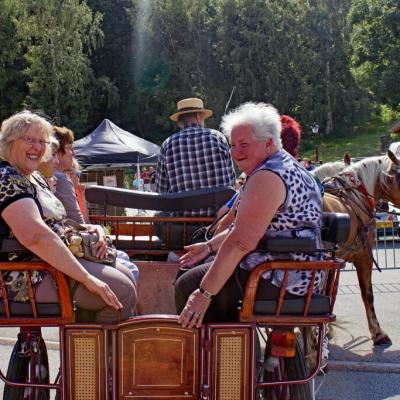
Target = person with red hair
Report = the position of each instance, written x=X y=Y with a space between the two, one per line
x=290 y=135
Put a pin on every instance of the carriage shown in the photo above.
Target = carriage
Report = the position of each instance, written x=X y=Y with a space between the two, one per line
x=150 y=356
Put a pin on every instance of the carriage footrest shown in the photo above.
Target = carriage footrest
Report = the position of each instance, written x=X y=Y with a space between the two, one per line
x=320 y=305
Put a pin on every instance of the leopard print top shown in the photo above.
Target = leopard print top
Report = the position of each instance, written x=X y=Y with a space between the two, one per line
x=299 y=216
x=15 y=186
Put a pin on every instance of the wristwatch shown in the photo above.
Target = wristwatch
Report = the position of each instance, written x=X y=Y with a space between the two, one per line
x=206 y=293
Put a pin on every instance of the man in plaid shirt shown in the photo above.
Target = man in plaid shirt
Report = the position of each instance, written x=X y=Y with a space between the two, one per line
x=195 y=157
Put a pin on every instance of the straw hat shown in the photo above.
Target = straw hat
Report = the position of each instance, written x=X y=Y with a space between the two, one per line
x=186 y=106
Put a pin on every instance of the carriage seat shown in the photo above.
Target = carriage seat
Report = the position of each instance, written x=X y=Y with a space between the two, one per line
x=207 y=197
x=335 y=230
x=169 y=234
x=14 y=313
x=320 y=305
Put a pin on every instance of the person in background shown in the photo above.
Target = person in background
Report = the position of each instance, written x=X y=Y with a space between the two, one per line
x=346 y=158
x=290 y=135
x=279 y=199
x=75 y=173
x=65 y=187
x=145 y=175
x=308 y=165
x=152 y=172
x=48 y=165
x=194 y=158
x=138 y=183
x=27 y=201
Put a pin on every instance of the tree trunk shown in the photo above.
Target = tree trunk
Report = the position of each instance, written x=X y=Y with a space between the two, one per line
x=328 y=94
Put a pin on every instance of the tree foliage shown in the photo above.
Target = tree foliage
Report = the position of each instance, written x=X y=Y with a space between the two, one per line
x=375 y=42
x=12 y=63
x=58 y=37
x=131 y=60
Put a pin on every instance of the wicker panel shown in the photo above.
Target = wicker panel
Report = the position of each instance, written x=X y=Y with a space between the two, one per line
x=85 y=364
x=230 y=367
x=231 y=360
x=85 y=369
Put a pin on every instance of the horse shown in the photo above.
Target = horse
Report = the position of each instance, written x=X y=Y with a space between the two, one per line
x=355 y=191
x=329 y=169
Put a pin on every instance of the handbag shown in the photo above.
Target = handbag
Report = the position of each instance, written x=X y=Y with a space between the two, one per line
x=205 y=233
x=89 y=241
x=82 y=243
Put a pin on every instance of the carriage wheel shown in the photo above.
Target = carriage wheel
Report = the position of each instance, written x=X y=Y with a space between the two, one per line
x=287 y=368
x=296 y=369
x=18 y=371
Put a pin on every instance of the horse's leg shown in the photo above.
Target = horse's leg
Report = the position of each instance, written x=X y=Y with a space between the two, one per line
x=363 y=264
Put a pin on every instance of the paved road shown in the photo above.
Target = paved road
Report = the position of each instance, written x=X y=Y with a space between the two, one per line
x=358 y=370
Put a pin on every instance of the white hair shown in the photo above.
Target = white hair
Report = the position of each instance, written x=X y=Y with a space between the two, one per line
x=263 y=118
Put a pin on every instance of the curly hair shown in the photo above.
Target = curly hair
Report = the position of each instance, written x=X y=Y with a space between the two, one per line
x=263 y=118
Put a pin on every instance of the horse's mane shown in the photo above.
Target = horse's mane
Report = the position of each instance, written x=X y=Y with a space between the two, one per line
x=367 y=170
x=328 y=169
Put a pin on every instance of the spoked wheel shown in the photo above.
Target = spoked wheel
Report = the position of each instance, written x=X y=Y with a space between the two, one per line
x=21 y=368
x=286 y=369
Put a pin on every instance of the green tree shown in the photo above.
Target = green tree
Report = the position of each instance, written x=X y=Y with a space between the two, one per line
x=58 y=37
x=113 y=62
x=173 y=58
x=328 y=93
x=12 y=63
x=375 y=43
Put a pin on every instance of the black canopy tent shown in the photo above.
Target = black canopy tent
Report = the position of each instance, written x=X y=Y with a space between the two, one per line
x=109 y=144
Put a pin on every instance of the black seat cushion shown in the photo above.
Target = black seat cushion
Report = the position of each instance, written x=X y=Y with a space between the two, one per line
x=18 y=309
x=319 y=306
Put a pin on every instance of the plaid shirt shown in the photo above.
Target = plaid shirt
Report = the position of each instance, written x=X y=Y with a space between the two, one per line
x=194 y=158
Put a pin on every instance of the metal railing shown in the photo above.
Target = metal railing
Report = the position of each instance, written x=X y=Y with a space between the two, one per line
x=386 y=251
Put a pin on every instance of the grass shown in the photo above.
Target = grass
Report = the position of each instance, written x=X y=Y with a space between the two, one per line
x=365 y=142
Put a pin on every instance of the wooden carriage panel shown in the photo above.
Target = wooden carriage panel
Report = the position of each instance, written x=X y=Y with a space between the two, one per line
x=156 y=287
x=158 y=360
x=231 y=360
x=85 y=364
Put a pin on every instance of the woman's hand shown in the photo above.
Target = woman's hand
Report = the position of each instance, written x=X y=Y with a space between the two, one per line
x=194 y=310
x=101 y=245
x=195 y=253
x=101 y=288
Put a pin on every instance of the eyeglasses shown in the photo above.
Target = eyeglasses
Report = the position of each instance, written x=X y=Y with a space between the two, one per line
x=31 y=141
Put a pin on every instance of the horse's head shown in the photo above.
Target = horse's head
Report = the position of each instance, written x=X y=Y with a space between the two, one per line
x=389 y=181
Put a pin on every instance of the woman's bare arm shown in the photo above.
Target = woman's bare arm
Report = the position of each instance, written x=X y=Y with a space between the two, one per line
x=264 y=194
x=24 y=220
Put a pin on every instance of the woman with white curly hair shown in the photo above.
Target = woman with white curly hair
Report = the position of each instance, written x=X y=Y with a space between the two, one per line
x=279 y=199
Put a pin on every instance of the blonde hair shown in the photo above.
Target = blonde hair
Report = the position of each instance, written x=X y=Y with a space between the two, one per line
x=17 y=125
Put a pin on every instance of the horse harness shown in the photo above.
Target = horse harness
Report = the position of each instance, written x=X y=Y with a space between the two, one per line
x=353 y=193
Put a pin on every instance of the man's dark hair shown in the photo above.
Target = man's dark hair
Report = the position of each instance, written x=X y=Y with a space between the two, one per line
x=185 y=119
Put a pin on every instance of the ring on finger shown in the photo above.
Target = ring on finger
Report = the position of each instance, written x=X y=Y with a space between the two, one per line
x=197 y=314
x=190 y=312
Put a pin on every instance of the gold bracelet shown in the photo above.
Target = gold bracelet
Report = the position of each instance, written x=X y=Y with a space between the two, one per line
x=209 y=248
